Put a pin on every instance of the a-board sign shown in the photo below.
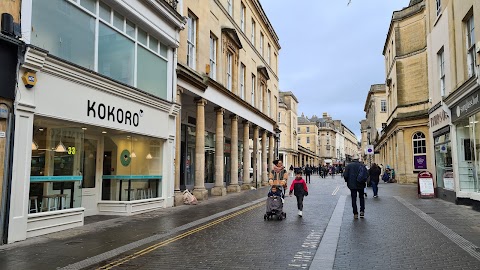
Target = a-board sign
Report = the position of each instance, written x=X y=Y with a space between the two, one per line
x=425 y=185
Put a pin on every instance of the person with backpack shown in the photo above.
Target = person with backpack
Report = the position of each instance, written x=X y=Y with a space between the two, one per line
x=374 y=173
x=355 y=176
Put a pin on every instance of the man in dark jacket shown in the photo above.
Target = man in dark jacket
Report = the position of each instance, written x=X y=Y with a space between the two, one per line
x=374 y=173
x=308 y=173
x=350 y=175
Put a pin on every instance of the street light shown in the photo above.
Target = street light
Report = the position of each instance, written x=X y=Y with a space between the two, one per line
x=368 y=138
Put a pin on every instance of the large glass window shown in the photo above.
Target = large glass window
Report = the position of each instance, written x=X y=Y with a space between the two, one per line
x=191 y=40
x=468 y=145
x=56 y=167
x=115 y=55
x=213 y=57
x=65 y=31
x=443 y=161
x=132 y=168
x=152 y=73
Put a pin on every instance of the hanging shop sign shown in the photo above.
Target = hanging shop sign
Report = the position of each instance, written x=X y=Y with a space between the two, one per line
x=467 y=106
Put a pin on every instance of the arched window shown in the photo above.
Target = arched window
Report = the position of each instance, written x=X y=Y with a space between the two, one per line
x=419 y=151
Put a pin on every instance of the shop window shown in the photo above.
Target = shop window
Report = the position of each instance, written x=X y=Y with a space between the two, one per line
x=132 y=168
x=56 y=167
x=443 y=161
x=468 y=145
x=152 y=73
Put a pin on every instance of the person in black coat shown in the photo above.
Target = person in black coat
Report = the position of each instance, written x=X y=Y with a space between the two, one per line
x=308 y=173
x=375 y=173
x=350 y=175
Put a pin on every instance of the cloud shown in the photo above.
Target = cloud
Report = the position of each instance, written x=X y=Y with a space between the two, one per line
x=331 y=53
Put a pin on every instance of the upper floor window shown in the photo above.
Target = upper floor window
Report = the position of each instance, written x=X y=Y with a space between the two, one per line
x=191 y=39
x=269 y=102
x=230 y=7
x=470 y=28
x=308 y=139
x=213 y=57
x=242 y=18
x=261 y=44
x=260 y=103
x=279 y=117
x=242 y=81
x=439 y=6
x=441 y=69
x=383 y=105
x=308 y=129
x=229 y=70
x=253 y=90
x=252 y=38
x=64 y=28
x=269 y=54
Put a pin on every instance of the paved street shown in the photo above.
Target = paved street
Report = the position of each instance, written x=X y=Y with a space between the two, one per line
x=398 y=232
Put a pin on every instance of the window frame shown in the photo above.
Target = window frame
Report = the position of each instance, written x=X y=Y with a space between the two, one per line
x=269 y=54
x=230 y=7
x=229 y=71
x=213 y=56
x=252 y=98
x=269 y=102
x=242 y=17
x=242 y=80
x=441 y=69
x=383 y=105
x=252 y=38
x=418 y=148
x=470 y=45
x=191 y=39
x=261 y=43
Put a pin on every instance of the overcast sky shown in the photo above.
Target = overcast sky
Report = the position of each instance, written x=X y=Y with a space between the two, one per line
x=331 y=53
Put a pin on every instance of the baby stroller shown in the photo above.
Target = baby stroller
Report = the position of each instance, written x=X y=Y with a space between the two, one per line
x=275 y=205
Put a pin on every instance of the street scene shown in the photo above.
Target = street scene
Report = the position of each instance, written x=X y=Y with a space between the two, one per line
x=239 y=134
x=399 y=231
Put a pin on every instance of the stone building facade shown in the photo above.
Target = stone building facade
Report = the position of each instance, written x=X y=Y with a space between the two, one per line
x=404 y=142
x=287 y=122
x=375 y=109
x=453 y=31
x=308 y=138
x=228 y=90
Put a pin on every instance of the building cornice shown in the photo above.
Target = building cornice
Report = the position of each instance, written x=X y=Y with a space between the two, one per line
x=462 y=90
x=191 y=76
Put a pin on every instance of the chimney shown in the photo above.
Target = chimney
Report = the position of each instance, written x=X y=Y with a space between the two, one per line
x=325 y=115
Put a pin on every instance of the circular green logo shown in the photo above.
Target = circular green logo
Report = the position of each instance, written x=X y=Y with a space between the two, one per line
x=125 y=158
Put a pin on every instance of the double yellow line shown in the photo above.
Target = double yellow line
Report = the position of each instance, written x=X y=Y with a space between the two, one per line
x=176 y=238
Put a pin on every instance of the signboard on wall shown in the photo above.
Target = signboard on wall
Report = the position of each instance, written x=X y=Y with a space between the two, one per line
x=448 y=181
x=420 y=162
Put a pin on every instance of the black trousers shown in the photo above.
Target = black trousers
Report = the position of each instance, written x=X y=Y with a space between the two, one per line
x=299 y=202
x=353 y=193
x=307 y=176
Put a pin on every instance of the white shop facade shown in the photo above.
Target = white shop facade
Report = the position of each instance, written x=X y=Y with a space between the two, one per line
x=85 y=145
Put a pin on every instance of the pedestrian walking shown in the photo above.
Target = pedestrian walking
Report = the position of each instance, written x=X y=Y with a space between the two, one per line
x=299 y=189
x=356 y=177
x=374 y=173
x=291 y=170
x=278 y=175
x=308 y=173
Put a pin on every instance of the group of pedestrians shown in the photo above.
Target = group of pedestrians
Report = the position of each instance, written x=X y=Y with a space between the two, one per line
x=321 y=170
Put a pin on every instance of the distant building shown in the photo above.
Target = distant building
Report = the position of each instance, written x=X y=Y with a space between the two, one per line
x=308 y=140
x=376 y=119
x=287 y=123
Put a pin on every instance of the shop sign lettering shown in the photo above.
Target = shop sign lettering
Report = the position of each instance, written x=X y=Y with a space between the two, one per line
x=439 y=118
x=112 y=113
x=468 y=105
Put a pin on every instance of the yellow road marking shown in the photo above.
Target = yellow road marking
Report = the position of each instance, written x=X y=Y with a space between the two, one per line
x=176 y=238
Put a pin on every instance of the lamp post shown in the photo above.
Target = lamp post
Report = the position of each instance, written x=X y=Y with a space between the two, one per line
x=277 y=142
x=368 y=138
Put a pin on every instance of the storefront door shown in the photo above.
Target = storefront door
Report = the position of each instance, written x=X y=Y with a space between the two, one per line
x=92 y=171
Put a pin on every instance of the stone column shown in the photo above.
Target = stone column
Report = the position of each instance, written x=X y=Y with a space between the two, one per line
x=401 y=171
x=178 y=152
x=247 y=183
x=234 y=187
x=264 y=180
x=271 y=151
x=256 y=131
x=199 y=190
x=219 y=189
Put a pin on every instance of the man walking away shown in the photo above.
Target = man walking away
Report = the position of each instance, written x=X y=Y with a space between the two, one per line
x=374 y=173
x=355 y=176
x=308 y=173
